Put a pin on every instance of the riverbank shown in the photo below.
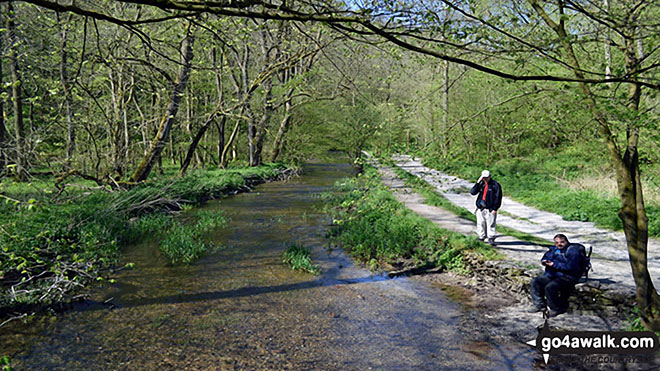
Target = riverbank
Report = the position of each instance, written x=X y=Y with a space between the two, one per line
x=380 y=232
x=388 y=226
x=55 y=242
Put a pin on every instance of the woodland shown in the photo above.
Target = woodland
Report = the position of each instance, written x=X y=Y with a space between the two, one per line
x=101 y=96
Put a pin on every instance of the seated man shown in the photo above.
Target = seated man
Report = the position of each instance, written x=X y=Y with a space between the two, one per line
x=563 y=269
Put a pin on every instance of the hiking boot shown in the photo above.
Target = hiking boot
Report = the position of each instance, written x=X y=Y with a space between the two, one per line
x=554 y=313
x=491 y=241
x=535 y=309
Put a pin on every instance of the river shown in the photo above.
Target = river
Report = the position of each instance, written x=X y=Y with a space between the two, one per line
x=240 y=307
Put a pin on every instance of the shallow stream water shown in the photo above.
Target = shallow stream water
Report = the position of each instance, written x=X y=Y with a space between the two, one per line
x=240 y=307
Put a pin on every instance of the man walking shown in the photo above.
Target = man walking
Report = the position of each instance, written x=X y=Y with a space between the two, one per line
x=489 y=200
x=563 y=269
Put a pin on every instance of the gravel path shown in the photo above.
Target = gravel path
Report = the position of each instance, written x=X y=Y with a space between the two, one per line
x=611 y=267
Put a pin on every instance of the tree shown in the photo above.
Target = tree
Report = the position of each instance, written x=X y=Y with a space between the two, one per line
x=499 y=38
x=624 y=157
x=66 y=86
x=157 y=144
x=3 y=127
x=16 y=93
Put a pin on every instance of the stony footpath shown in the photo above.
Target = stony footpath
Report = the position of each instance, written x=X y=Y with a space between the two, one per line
x=603 y=303
x=611 y=266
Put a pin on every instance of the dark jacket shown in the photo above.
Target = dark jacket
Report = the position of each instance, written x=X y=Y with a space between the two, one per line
x=493 y=195
x=566 y=262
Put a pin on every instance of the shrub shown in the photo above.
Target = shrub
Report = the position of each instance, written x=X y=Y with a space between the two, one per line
x=43 y=238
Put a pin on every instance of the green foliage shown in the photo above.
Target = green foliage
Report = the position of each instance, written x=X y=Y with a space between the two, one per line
x=77 y=238
x=635 y=322
x=299 y=257
x=5 y=362
x=374 y=227
x=149 y=225
x=183 y=243
x=198 y=186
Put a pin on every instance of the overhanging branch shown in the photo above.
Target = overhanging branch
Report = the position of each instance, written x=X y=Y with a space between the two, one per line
x=257 y=9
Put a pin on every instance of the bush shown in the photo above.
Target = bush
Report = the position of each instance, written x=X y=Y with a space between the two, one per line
x=184 y=244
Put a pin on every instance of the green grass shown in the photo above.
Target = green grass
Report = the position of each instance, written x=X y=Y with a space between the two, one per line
x=533 y=181
x=430 y=195
x=375 y=228
x=299 y=258
x=73 y=237
x=183 y=244
x=5 y=362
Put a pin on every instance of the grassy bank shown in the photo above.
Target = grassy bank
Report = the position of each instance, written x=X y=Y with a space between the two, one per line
x=547 y=180
x=53 y=243
x=377 y=229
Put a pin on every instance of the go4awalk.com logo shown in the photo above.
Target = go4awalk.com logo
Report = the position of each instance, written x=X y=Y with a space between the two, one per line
x=629 y=343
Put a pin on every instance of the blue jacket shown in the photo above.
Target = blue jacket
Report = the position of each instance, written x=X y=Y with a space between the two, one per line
x=493 y=195
x=566 y=262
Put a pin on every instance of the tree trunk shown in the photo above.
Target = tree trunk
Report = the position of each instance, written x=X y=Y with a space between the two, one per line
x=68 y=101
x=251 y=137
x=156 y=147
x=220 y=90
x=16 y=94
x=230 y=141
x=221 y=138
x=263 y=123
x=126 y=145
x=195 y=142
x=115 y=121
x=143 y=124
x=444 y=141
x=608 y=52
x=633 y=212
x=626 y=166
x=3 y=127
x=284 y=126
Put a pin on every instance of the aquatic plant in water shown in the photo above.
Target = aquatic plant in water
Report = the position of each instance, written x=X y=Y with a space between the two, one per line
x=300 y=258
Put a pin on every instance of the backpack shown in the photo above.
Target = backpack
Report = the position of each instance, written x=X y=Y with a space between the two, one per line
x=585 y=261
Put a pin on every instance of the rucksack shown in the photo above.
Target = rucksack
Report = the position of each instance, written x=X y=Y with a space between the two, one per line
x=585 y=261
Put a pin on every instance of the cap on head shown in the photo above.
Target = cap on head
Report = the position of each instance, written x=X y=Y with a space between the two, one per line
x=485 y=174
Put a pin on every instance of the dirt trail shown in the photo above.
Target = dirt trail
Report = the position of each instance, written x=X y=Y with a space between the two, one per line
x=509 y=318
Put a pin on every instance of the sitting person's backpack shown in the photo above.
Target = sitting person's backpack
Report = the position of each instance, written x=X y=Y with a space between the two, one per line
x=585 y=261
